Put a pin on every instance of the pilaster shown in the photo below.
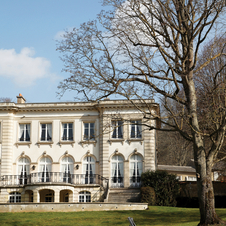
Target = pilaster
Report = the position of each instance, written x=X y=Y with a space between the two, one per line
x=149 y=150
x=104 y=145
x=126 y=174
x=7 y=145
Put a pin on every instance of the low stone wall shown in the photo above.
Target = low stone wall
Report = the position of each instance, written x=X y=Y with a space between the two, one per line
x=70 y=207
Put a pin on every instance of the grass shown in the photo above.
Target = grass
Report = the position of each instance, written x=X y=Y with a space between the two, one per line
x=154 y=216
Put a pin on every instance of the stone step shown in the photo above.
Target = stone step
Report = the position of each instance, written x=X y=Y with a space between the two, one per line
x=124 y=195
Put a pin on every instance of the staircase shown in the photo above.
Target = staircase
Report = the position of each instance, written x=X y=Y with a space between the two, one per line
x=124 y=195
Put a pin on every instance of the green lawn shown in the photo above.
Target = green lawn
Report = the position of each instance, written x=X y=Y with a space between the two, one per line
x=154 y=216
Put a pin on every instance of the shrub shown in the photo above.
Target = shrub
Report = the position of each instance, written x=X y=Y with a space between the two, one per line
x=148 y=195
x=166 y=186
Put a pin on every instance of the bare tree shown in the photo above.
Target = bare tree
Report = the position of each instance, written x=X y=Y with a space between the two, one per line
x=145 y=48
x=6 y=99
x=174 y=149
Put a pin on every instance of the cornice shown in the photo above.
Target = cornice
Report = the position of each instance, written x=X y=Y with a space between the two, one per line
x=76 y=106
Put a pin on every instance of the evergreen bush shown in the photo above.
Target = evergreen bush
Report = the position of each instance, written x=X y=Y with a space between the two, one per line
x=165 y=185
x=148 y=195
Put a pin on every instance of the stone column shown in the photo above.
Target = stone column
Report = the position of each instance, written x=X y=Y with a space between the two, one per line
x=36 y=196
x=71 y=196
x=56 y=196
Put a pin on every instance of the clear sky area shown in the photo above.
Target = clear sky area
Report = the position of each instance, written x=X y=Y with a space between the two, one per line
x=29 y=62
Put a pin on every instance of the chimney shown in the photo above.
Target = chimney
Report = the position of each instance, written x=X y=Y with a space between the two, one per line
x=20 y=99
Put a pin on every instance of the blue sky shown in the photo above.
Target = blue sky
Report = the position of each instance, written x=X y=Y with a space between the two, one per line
x=29 y=62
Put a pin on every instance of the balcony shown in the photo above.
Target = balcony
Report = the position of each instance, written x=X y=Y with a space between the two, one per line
x=53 y=177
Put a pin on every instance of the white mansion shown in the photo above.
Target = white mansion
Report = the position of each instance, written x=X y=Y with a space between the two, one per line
x=73 y=151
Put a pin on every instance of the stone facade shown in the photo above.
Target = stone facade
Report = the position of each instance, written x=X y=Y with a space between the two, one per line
x=73 y=151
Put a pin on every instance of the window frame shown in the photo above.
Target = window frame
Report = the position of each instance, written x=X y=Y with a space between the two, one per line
x=115 y=129
x=24 y=132
x=136 y=126
x=67 y=131
x=15 y=195
x=89 y=138
x=84 y=194
x=40 y=132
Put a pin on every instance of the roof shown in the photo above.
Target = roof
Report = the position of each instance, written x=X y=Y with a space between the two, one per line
x=189 y=169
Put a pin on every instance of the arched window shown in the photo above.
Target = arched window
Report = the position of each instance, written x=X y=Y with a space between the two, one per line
x=45 y=167
x=23 y=170
x=67 y=166
x=117 y=171
x=15 y=197
x=84 y=196
x=136 y=169
x=89 y=169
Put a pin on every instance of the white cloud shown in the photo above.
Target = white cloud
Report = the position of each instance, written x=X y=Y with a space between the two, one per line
x=23 y=68
x=60 y=34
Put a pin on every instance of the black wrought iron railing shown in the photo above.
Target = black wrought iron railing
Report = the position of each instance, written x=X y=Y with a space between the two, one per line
x=135 y=182
x=54 y=177
x=117 y=182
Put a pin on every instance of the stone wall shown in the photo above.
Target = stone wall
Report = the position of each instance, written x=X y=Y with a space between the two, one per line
x=70 y=207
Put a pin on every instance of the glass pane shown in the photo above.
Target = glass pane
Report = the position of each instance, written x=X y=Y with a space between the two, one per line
x=43 y=132
x=86 y=131
x=132 y=134
x=120 y=158
x=92 y=131
x=139 y=130
x=49 y=132
x=70 y=136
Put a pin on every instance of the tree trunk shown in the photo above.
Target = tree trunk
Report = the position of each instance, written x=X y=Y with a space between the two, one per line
x=203 y=165
x=208 y=214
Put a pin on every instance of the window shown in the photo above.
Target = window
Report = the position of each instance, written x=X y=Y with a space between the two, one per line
x=117 y=171
x=23 y=170
x=84 y=196
x=24 y=132
x=67 y=129
x=15 y=197
x=117 y=128
x=45 y=169
x=190 y=178
x=136 y=168
x=89 y=131
x=89 y=170
x=49 y=197
x=135 y=129
x=46 y=132
x=67 y=165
